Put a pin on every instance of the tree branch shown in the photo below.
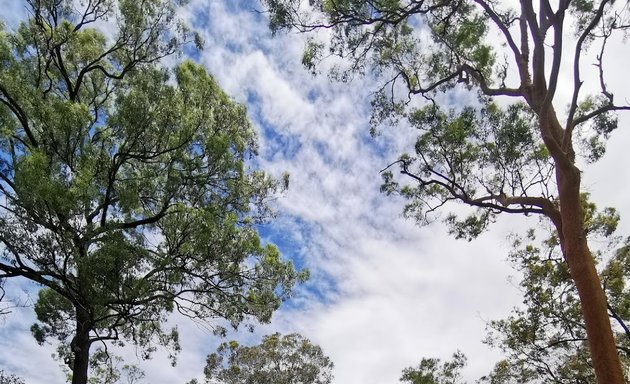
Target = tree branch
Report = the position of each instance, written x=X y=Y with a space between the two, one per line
x=502 y=27
x=19 y=113
x=577 y=81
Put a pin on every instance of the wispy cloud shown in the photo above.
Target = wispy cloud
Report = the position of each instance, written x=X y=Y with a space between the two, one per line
x=392 y=293
x=384 y=292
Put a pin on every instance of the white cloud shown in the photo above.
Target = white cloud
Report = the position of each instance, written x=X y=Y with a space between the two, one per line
x=20 y=354
x=384 y=292
x=397 y=294
x=13 y=11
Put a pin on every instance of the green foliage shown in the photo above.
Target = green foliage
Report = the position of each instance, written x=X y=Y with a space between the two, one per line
x=107 y=369
x=433 y=371
x=466 y=155
x=56 y=314
x=278 y=359
x=545 y=340
x=126 y=189
x=436 y=49
x=311 y=54
x=388 y=36
x=6 y=378
x=593 y=135
x=517 y=155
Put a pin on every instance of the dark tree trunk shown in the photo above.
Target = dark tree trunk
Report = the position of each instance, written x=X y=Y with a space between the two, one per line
x=81 y=348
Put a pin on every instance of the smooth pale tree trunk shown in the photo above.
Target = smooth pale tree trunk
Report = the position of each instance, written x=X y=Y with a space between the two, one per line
x=593 y=300
x=81 y=348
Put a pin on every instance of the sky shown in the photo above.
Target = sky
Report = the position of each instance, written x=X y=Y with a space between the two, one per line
x=383 y=292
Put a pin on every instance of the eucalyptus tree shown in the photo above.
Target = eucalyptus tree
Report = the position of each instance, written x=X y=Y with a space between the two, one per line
x=125 y=189
x=6 y=378
x=278 y=359
x=512 y=149
x=544 y=340
x=434 y=371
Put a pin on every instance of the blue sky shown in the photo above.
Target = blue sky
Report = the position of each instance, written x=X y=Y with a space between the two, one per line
x=384 y=293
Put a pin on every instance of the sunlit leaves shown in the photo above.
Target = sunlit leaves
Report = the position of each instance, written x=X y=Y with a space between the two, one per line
x=127 y=190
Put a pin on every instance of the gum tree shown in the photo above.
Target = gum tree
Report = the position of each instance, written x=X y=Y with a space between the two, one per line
x=125 y=193
x=544 y=340
x=278 y=359
x=434 y=371
x=6 y=378
x=513 y=142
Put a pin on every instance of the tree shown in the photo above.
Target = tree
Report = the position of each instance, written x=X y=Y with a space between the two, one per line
x=288 y=359
x=545 y=340
x=126 y=193
x=433 y=371
x=511 y=149
x=6 y=378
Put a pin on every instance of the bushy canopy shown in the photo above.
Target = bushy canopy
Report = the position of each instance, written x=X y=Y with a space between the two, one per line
x=126 y=187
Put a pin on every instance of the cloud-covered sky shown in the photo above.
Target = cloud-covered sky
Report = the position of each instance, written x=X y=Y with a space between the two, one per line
x=384 y=293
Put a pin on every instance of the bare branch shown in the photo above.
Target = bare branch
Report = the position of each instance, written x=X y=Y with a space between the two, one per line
x=577 y=81
x=503 y=28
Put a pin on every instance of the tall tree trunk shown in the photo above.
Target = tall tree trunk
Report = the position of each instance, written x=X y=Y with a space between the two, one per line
x=593 y=300
x=81 y=348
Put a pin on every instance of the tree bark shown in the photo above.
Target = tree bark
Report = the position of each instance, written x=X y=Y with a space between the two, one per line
x=581 y=264
x=80 y=346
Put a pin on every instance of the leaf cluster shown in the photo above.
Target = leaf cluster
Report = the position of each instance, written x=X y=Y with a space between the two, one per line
x=281 y=359
x=489 y=159
x=6 y=378
x=434 y=371
x=544 y=340
x=436 y=50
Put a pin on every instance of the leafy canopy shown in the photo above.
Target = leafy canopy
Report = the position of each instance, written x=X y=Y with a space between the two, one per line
x=126 y=190
x=545 y=339
x=6 y=378
x=426 y=53
x=480 y=80
x=433 y=371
